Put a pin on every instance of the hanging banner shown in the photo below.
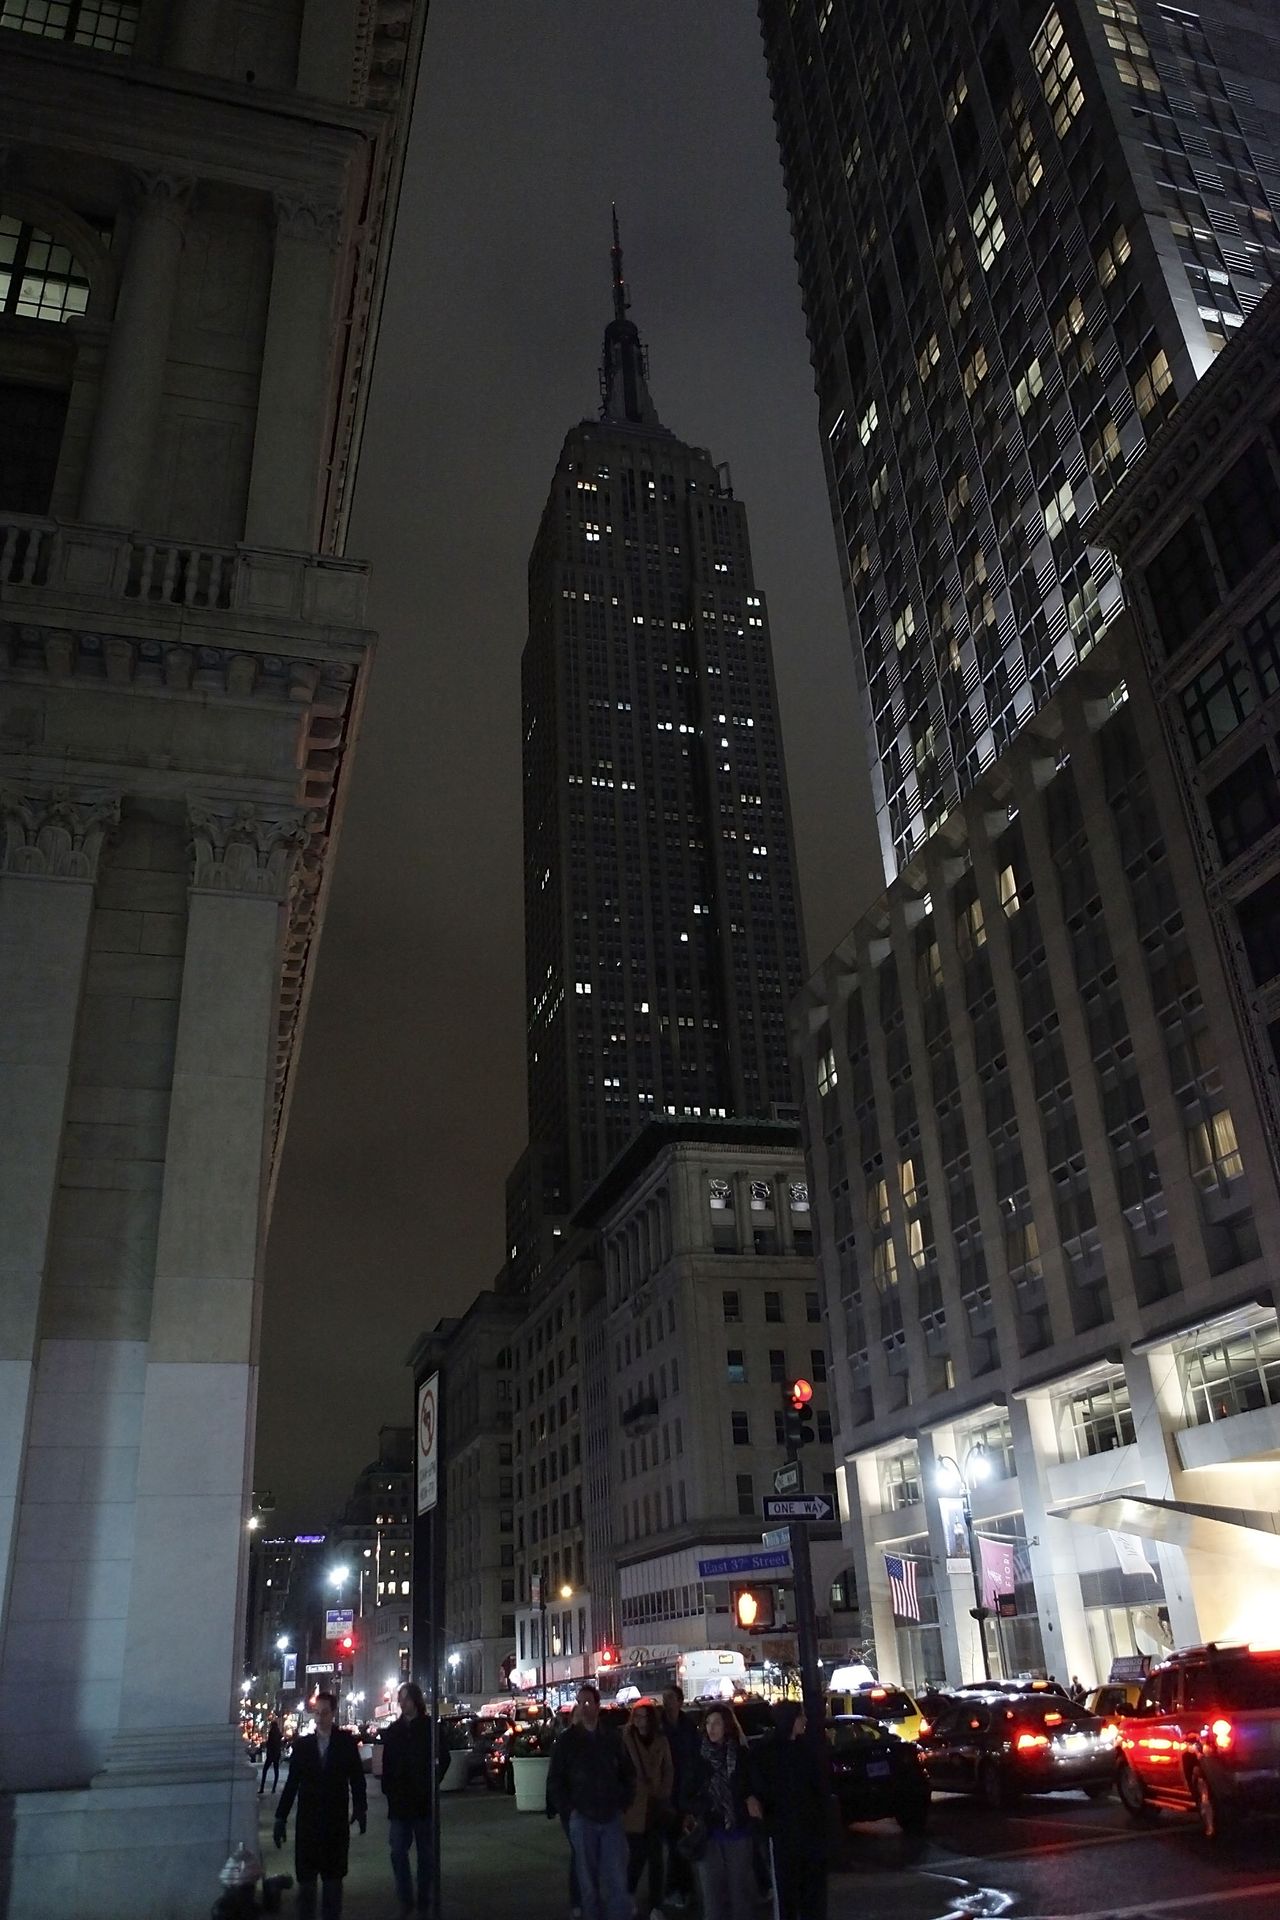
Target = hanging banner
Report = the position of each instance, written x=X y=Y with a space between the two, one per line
x=999 y=1572
x=428 y=1404
x=1130 y=1555
x=289 y=1677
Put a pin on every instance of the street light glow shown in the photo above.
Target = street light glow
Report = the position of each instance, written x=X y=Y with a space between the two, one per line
x=338 y=1576
x=282 y=1644
x=566 y=1592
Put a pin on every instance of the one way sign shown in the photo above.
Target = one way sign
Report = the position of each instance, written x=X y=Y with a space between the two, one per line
x=803 y=1506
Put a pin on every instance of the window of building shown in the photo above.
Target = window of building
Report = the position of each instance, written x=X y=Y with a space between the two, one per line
x=1245 y=805
x=736 y=1366
x=1215 y=1150
x=1095 y=1419
x=108 y=25
x=740 y=1427
x=31 y=424
x=773 y=1307
x=1259 y=918
x=817 y=1363
x=731 y=1304
x=824 y=1426
x=1225 y=1374
x=988 y=228
x=1181 y=584
x=812 y=1308
x=40 y=279
x=777 y=1364
x=746 y=1494
x=900 y=1483
x=1217 y=700
x=1062 y=91
x=1262 y=644
x=1243 y=512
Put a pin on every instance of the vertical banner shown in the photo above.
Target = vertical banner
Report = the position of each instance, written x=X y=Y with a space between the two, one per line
x=999 y=1573
x=289 y=1676
x=428 y=1423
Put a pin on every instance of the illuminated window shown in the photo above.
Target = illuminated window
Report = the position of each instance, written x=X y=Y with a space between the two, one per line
x=1059 y=509
x=1029 y=386
x=868 y=424
x=988 y=228
x=827 y=1076
x=1113 y=256
x=39 y=278
x=108 y=25
x=1214 y=1150
x=971 y=931
x=928 y=356
x=975 y=373
x=1148 y=387
x=1009 y=900
x=1128 y=45
x=1062 y=91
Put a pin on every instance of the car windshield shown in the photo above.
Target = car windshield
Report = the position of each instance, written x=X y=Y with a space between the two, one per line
x=1254 y=1682
x=887 y=1703
x=1047 y=1710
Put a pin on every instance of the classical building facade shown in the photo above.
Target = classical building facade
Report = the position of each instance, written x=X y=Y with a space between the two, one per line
x=662 y=931
x=194 y=201
x=1022 y=235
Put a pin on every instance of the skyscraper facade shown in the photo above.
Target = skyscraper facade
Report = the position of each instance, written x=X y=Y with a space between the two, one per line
x=1021 y=237
x=662 y=933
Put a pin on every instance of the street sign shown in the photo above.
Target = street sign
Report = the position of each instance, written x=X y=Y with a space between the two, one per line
x=789 y=1479
x=776 y=1537
x=735 y=1563
x=805 y=1506
x=428 y=1398
x=322 y=1666
x=337 y=1621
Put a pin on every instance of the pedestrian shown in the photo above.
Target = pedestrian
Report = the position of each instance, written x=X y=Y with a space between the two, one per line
x=1077 y=1690
x=553 y=1813
x=592 y=1782
x=794 y=1797
x=681 y=1736
x=720 y=1803
x=410 y=1787
x=271 y=1751
x=326 y=1779
x=647 y=1818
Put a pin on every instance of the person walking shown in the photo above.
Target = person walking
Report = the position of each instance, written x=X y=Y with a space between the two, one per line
x=646 y=1819
x=325 y=1778
x=1076 y=1691
x=553 y=1813
x=273 y=1746
x=719 y=1802
x=410 y=1788
x=591 y=1780
x=681 y=1737
x=793 y=1794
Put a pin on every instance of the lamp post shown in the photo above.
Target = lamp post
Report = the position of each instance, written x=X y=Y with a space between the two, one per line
x=566 y=1593
x=976 y=1468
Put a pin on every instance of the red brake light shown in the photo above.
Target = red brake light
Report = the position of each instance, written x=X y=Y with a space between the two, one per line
x=1053 y=1719
x=878 y=1693
x=1026 y=1740
x=1223 y=1734
x=925 y=1727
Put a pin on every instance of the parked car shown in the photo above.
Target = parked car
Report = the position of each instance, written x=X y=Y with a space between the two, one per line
x=892 y=1708
x=1001 y=1745
x=876 y=1776
x=1205 y=1735
x=1115 y=1699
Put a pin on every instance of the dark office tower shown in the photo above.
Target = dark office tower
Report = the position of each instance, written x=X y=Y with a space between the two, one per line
x=1022 y=233
x=662 y=934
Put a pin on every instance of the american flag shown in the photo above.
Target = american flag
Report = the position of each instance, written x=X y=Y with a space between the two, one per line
x=902 y=1585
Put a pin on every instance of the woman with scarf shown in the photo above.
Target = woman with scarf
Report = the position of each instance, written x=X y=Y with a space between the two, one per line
x=718 y=1800
x=646 y=1818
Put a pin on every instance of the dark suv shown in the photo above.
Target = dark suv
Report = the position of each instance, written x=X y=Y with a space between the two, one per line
x=1002 y=1745
x=1205 y=1735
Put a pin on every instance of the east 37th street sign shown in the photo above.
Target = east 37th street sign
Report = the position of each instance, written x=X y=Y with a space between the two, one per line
x=804 y=1506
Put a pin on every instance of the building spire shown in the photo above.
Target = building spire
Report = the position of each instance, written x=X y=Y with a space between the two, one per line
x=624 y=392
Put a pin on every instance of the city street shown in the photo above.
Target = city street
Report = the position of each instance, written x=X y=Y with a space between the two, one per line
x=1059 y=1859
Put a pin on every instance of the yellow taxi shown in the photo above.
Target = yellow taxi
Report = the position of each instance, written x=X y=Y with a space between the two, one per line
x=891 y=1707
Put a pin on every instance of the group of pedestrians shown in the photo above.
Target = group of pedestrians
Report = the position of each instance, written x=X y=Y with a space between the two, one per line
x=326 y=1780
x=668 y=1802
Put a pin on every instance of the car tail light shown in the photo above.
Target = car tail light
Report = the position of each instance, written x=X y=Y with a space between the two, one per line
x=1223 y=1735
x=925 y=1727
x=1109 y=1735
x=1053 y=1719
x=1026 y=1740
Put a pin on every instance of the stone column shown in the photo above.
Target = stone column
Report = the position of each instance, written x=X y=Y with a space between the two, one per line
x=49 y=852
x=182 y=1642
x=294 y=394
x=1064 y=1632
x=124 y=428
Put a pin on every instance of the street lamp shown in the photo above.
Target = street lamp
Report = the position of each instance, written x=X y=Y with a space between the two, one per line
x=282 y=1644
x=977 y=1467
x=566 y=1593
x=339 y=1576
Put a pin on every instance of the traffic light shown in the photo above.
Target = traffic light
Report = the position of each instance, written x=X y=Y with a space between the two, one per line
x=797 y=1419
x=347 y=1648
x=608 y=1658
x=753 y=1609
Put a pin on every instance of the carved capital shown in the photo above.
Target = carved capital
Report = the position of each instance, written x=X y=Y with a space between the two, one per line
x=164 y=196
x=316 y=220
x=55 y=833
x=239 y=848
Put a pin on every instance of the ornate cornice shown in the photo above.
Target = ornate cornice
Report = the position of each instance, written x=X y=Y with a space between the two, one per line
x=239 y=848
x=314 y=220
x=164 y=195
x=55 y=833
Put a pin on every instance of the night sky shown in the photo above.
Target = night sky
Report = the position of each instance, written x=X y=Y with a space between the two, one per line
x=409 y=1103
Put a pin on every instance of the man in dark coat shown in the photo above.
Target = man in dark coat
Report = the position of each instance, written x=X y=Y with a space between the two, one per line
x=795 y=1809
x=410 y=1791
x=325 y=1773
x=591 y=1782
x=682 y=1737
x=271 y=1752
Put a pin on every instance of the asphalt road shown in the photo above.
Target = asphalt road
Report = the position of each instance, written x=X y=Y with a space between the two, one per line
x=1060 y=1858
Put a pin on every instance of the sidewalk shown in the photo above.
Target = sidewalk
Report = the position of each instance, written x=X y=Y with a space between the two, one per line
x=497 y=1863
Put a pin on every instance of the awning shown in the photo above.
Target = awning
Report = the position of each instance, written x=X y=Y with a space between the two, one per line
x=1237 y=1531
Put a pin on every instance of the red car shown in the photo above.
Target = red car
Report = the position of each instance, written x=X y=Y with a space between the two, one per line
x=1205 y=1737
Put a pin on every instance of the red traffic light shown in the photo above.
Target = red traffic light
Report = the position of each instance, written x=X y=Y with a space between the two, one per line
x=348 y=1643
x=608 y=1656
x=800 y=1392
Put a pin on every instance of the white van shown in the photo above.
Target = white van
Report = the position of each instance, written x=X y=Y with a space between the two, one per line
x=716 y=1673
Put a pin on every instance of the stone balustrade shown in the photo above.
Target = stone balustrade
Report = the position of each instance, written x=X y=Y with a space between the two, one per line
x=70 y=562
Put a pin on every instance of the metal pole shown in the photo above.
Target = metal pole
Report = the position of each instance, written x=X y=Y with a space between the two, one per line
x=979 y=1611
x=806 y=1633
x=435 y=1732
